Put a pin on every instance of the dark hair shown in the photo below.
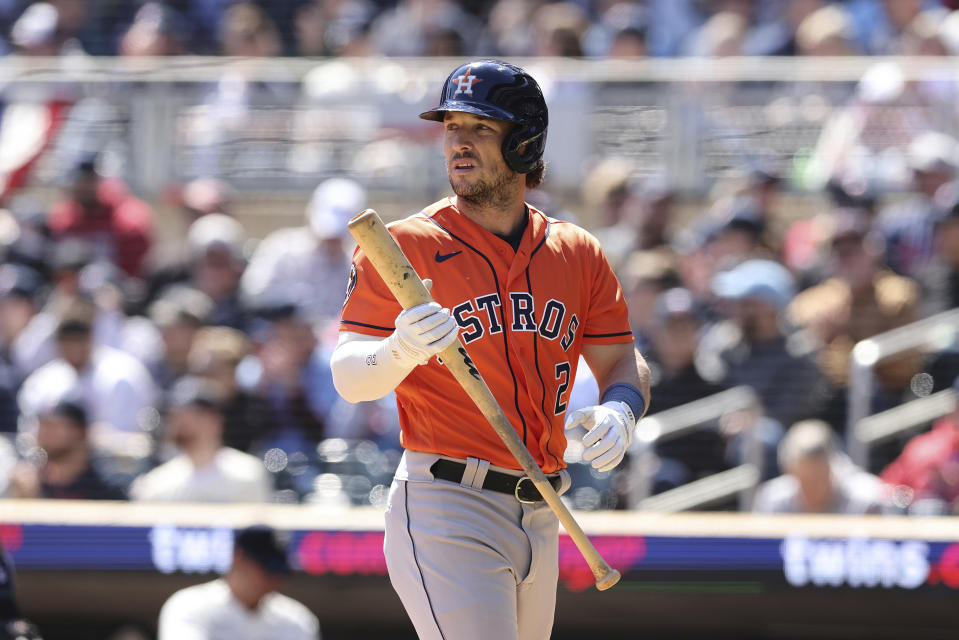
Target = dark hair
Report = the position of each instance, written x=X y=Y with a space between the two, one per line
x=535 y=177
x=70 y=409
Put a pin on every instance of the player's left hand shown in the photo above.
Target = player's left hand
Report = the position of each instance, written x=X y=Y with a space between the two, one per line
x=609 y=432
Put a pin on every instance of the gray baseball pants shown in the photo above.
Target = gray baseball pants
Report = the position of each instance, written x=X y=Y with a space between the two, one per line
x=467 y=563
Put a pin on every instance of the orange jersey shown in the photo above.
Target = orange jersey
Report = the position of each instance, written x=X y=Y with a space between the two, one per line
x=523 y=318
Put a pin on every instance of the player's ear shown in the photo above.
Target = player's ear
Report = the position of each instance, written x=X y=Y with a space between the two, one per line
x=428 y=283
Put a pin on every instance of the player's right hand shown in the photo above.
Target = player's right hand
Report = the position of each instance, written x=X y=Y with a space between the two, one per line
x=422 y=332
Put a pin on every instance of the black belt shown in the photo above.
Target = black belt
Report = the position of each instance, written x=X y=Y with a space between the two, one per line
x=520 y=486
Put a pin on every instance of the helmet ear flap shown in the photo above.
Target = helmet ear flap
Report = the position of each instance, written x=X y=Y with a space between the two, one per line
x=524 y=145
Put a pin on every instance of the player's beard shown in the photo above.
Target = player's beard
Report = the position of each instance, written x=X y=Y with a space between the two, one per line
x=497 y=192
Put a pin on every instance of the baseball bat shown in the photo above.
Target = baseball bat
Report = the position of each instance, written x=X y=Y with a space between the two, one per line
x=392 y=265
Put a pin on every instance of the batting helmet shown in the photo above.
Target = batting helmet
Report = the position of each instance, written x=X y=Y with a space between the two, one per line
x=503 y=91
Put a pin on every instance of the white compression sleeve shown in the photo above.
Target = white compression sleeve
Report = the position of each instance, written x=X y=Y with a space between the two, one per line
x=364 y=369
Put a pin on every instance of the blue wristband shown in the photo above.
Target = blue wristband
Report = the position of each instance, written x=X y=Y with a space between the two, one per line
x=628 y=394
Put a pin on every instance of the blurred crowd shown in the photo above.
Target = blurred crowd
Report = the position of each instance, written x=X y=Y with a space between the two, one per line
x=191 y=373
x=574 y=28
x=198 y=369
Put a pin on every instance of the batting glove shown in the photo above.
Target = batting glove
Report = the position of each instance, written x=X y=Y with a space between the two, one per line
x=609 y=432
x=421 y=333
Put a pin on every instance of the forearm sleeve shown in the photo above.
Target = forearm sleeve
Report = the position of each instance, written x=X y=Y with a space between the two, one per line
x=364 y=368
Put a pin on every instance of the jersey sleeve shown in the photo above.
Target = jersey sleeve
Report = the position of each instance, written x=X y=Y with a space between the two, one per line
x=607 y=321
x=370 y=307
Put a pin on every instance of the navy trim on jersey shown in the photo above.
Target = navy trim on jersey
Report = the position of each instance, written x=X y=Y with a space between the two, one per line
x=509 y=365
x=368 y=326
x=607 y=335
x=406 y=507
x=539 y=373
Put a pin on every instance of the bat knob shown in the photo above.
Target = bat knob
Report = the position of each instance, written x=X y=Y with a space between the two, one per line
x=608 y=580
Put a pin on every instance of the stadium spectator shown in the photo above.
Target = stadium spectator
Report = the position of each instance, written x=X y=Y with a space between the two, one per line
x=169 y=262
x=217 y=245
x=827 y=31
x=677 y=322
x=740 y=231
x=244 y=604
x=803 y=240
x=859 y=299
x=19 y=290
x=178 y=315
x=338 y=29
x=66 y=466
x=940 y=277
x=102 y=211
x=676 y=380
x=247 y=30
x=909 y=226
x=203 y=196
x=157 y=30
x=928 y=467
x=644 y=276
x=643 y=219
x=114 y=386
x=722 y=35
x=205 y=470
x=817 y=477
x=40 y=31
x=215 y=354
x=619 y=32
x=880 y=26
x=404 y=29
x=311 y=264
x=557 y=29
x=289 y=373
x=756 y=346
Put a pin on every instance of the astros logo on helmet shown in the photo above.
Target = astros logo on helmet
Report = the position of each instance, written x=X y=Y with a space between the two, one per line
x=464 y=83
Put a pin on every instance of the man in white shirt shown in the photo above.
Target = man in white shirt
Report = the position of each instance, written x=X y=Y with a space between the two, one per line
x=115 y=387
x=817 y=477
x=205 y=470
x=244 y=604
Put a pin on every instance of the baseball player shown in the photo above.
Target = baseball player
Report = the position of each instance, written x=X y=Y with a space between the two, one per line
x=470 y=545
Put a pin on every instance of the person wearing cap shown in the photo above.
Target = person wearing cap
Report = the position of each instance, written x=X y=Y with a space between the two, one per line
x=859 y=299
x=244 y=604
x=115 y=387
x=102 y=211
x=677 y=379
x=178 y=315
x=817 y=477
x=756 y=346
x=309 y=264
x=927 y=466
x=205 y=470
x=217 y=259
x=909 y=226
x=67 y=466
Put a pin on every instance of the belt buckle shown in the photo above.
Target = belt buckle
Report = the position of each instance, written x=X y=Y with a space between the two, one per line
x=532 y=490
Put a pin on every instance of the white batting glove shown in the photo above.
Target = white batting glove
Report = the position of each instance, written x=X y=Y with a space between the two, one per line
x=609 y=432
x=421 y=333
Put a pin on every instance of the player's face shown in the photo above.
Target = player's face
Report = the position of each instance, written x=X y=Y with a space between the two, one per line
x=474 y=159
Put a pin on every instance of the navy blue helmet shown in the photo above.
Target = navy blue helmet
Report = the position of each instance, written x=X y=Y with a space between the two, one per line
x=503 y=91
